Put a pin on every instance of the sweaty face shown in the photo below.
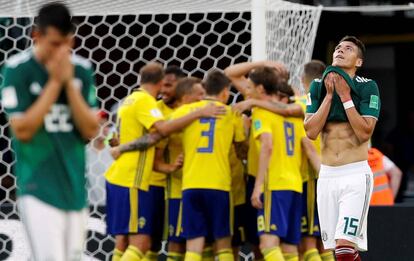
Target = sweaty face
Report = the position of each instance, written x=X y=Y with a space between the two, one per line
x=346 y=56
x=50 y=41
x=168 y=89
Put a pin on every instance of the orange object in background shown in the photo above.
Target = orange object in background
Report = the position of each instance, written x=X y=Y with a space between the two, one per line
x=382 y=194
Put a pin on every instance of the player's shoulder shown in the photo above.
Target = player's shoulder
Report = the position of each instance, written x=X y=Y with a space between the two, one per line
x=81 y=62
x=19 y=59
x=364 y=82
x=365 y=85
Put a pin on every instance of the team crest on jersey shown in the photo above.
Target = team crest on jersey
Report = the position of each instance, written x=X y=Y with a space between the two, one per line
x=273 y=227
x=141 y=222
x=257 y=124
x=35 y=88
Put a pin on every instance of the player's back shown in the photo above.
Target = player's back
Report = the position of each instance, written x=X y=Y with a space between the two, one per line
x=285 y=163
x=135 y=117
x=206 y=144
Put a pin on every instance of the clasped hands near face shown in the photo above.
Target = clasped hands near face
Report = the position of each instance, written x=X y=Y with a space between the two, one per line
x=334 y=81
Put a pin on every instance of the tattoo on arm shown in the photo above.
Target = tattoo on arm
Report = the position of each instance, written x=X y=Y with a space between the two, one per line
x=143 y=143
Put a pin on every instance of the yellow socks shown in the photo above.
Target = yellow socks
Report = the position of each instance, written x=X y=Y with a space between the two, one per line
x=225 y=255
x=273 y=254
x=175 y=256
x=192 y=256
x=132 y=254
x=150 y=256
x=117 y=254
x=291 y=256
x=328 y=256
x=208 y=254
x=312 y=255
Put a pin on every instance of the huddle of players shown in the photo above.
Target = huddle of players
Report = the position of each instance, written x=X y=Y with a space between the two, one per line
x=197 y=165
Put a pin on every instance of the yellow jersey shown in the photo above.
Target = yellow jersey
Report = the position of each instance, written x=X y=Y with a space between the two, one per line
x=136 y=116
x=206 y=144
x=285 y=162
x=238 y=183
x=174 y=180
x=252 y=155
x=307 y=171
x=157 y=178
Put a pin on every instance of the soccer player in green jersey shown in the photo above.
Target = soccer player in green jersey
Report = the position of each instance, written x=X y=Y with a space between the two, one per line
x=344 y=107
x=47 y=94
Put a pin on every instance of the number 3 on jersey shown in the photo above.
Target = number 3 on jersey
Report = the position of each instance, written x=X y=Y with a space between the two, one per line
x=209 y=134
x=289 y=137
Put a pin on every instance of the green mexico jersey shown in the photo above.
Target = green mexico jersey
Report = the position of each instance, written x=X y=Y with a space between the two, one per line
x=364 y=94
x=51 y=166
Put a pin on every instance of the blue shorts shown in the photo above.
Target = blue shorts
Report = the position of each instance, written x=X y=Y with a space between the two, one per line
x=207 y=213
x=174 y=221
x=128 y=210
x=310 y=219
x=157 y=195
x=251 y=214
x=281 y=215
x=239 y=234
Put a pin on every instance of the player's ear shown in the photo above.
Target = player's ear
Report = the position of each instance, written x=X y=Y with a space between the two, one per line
x=359 y=63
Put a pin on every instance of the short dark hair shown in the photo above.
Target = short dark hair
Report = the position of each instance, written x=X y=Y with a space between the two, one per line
x=267 y=77
x=314 y=69
x=285 y=89
x=177 y=71
x=215 y=82
x=55 y=15
x=185 y=86
x=151 y=73
x=357 y=42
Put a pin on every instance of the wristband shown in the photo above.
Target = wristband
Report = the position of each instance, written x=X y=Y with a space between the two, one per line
x=348 y=104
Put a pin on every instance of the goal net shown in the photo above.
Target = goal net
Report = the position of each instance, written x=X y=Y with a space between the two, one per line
x=119 y=37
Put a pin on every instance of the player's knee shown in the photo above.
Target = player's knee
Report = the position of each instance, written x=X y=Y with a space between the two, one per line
x=223 y=243
x=176 y=247
x=121 y=242
x=140 y=241
x=268 y=241
x=344 y=242
x=308 y=243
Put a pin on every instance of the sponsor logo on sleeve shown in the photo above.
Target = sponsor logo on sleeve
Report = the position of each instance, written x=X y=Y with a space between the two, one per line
x=374 y=102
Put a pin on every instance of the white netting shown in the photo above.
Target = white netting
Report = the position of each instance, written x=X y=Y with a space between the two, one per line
x=119 y=39
x=290 y=35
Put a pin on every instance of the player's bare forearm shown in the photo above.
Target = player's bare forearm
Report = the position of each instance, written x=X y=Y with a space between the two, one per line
x=166 y=128
x=237 y=74
x=26 y=125
x=140 y=144
x=314 y=123
x=241 y=149
x=266 y=150
x=363 y=126
x=311 y=153
x=293 y=109
x=83 y=116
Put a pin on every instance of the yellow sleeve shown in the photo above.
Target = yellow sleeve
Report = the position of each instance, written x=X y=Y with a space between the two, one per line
x=260 y=124
x=239 y=134
x=148 y=112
